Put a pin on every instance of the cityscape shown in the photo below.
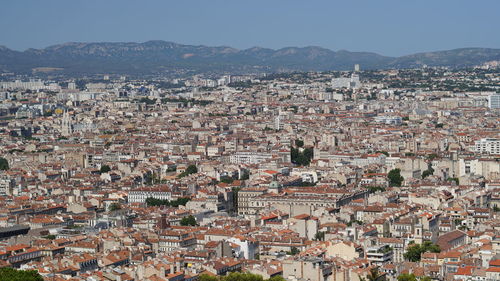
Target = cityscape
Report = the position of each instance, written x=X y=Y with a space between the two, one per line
x=159 y=161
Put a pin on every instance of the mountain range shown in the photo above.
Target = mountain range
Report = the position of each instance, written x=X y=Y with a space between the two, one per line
x=162 y=57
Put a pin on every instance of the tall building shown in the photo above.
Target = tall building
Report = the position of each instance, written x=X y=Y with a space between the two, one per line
x=66 y=125
x=494 y=101
x=488 y=145
x=346 y=82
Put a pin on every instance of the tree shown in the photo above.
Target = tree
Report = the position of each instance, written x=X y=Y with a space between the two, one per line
x=432 y=156
x=206 y=277
x=412 y=277
x=245 y=176
x=4 y=164
x=319 y=236
x=114 y=207
x=299 y=143
x=427 y=172
x=415 y=251
x=407 y=277
x=373 y=275
x=395 y=178
x=150 y=201
x=239 y=276
x=293 y=251
x=302 y=158
x=189 y=220
x=456 y=180
x=11 y=274
x=191 y=169
x=383 y=152
x=373 y=189
x=226 y=179
x=104 y=169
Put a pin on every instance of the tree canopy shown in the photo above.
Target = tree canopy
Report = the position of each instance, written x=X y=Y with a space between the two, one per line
x=395 y=178
x=412 y=277
x=238 y=276
x=4 y=164
x=114 y=207
x=191 y=169
x=415 y=251
x=189 y=220
x=299 y=143
x=11 y=274
x=374 y=275
x=105 y=169
x=150 y=201
x=302 y=158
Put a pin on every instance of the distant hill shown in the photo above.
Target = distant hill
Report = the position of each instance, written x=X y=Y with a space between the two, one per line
x=154 y=57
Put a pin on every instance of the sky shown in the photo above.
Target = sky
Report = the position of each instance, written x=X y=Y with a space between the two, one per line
x=387 y=27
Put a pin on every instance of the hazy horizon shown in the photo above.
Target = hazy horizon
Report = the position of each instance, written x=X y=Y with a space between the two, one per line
x=390 y=28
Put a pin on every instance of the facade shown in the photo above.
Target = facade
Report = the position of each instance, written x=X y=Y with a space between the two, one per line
x=140 y=195
x=487 y=146
x=249 y=157
x=352 y=82
x=494 y=101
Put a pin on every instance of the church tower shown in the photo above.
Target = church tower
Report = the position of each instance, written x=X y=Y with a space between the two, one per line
x=66 y=125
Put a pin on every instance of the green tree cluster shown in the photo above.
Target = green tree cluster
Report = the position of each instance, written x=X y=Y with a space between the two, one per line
x=188 y=221
x=395 y=178
x=456 y=180
x=373 y=189
x=150 y=201
x=239 y=276
x=114 y=207
x=299 y=143
x=415 y=251
x=293 y=251
x=191 y=169
x=302 y=158
x=428 y=172
x=374 y=275
x=383 y=152
x=319 y=236
x=412 y=277
x=104 y=169
x=147 y=101
x=4 y=164
x=11 y=274
x=226 y=179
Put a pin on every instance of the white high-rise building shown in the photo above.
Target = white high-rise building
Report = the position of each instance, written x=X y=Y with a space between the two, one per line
x=494 y=101
x=487 y=145
x=346 y=82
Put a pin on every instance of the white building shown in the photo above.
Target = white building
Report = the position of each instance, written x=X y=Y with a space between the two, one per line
x=346 y=82
x=494 y=101
x=389 y=120
x=249 y=157
x=140 y=195
x=487 y=145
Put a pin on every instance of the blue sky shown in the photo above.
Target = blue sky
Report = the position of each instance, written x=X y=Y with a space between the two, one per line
x=388 y=27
